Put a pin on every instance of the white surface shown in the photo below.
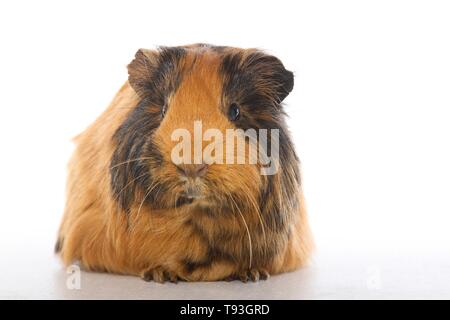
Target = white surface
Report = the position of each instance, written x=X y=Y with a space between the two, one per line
x=369 y=115
x=347 y=275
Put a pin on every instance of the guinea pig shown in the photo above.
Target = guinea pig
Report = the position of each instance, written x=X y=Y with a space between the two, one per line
x=132 y=209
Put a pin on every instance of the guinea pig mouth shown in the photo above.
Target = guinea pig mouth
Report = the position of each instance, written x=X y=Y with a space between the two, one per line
x=181 y=201
x=188 y=197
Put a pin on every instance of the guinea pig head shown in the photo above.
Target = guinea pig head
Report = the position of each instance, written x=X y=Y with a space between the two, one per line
x=179 y=146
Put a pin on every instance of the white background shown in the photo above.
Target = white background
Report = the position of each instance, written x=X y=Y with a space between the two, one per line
x=369 y=115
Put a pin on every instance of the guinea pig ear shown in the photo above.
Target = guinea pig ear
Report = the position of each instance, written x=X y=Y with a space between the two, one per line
x=141 y=69
x=272 y=77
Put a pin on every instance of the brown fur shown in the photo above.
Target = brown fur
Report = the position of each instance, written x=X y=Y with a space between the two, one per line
x=251 y=226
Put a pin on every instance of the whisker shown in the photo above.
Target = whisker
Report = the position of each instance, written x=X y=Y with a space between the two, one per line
x=130 y=182
x=128 y=161
x=248 y=232
x=162 y=229
x=149 y=190
x=252 y=202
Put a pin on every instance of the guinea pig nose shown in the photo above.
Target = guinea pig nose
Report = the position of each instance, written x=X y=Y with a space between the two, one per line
x=193 y=170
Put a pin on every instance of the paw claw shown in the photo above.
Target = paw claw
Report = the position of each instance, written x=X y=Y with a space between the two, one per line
x=244 y=277
x=252 y=274
x=159 y=275
x=263 y=274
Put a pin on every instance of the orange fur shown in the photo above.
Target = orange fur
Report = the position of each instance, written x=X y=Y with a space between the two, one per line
x=96 y=231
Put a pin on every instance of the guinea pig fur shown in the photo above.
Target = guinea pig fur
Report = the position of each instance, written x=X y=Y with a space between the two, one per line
x=131 y=210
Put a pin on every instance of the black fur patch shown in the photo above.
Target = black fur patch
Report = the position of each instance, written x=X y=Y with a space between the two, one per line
x=58 y=245
x=191 y=265
x=256 y=80
x=154 y=79
x=155 y=74
x=258 y=83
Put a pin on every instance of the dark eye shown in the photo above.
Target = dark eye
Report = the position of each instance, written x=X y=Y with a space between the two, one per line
x=233 y=112
x=163 y=111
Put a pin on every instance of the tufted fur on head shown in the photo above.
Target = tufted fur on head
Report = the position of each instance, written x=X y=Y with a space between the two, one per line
x=130 y=209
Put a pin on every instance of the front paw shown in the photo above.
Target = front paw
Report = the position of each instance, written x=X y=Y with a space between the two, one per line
x=254 y=275
x=160 y=275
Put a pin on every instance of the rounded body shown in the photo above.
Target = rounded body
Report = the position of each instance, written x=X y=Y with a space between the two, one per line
x=244 y=225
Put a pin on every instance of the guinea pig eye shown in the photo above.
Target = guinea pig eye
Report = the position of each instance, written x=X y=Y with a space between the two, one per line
x=163 y=110
x=233 y=112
